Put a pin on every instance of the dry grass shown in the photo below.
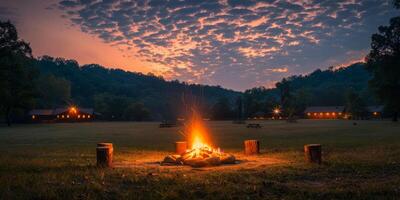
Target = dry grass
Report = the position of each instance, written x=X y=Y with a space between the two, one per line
x=57 y=161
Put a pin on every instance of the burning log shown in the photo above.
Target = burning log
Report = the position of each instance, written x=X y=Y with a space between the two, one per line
x=104 y=156
x=251 y=147
x=201 y=153
x=313 y=153
x=180 y=147
x=200 y=157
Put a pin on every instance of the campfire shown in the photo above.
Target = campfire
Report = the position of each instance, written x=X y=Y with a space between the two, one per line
x=200 y=153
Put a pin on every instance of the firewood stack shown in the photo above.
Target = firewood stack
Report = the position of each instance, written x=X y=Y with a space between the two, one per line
x=201 y=157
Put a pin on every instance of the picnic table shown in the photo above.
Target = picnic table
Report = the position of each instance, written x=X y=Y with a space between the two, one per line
x=253 y=126
x=167 y=125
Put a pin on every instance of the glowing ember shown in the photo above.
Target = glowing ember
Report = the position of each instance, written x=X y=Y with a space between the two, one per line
x=201 y=153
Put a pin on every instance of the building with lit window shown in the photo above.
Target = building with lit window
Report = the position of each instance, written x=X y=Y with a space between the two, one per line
x=325 y=112
x=375 y=112
x=71 y=114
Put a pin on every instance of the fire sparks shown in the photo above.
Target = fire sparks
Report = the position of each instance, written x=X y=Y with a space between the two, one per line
x=201 y=152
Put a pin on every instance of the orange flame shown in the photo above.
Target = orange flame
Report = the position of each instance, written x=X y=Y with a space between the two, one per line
x=198 y=137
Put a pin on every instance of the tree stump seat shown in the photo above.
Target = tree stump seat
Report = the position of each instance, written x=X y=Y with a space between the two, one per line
x=313 y=153
x=251 y=147
x=104 y=154
x=180 y=147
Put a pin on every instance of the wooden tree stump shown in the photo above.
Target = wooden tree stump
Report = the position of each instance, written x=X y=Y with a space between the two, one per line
x=251 y=147
x=313 y=153
x=104 y=154
x=180 y=147
x=106 y=144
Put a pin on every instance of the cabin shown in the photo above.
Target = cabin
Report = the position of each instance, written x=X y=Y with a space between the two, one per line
x=375 y=112
x=71 y=114
x=259 y=115
x=325 y=112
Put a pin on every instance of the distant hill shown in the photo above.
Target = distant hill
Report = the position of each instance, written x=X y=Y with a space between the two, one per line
x=325 y=87
x=113 y=91
x=93 y=84
x=319 y=88
x=329 y=87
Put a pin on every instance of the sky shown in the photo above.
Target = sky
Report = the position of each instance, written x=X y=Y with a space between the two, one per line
x=237 y=44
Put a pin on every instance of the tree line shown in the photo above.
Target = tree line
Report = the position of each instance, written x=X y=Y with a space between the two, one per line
x=46 y=82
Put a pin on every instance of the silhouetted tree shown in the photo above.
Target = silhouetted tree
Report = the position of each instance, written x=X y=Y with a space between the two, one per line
x=16 y=77
x=383 y=63
x=301 y=98
x=285 y=97
x=396 y=4
x=222 y=110
x=355 y=105
x=239 y=108
x=136 y=112
x=53 y=91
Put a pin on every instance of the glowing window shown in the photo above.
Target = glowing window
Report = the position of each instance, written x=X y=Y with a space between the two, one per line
x=333 y=114
x=315 y=114
x=321 y=113
x=375 y=113
x=340 y=113
x=308 y=114
x=79 y=116
x=67 y=116
x=327 y=114
x=33 y=116
x=88 y=116
x=58 y=116
x=83 y=116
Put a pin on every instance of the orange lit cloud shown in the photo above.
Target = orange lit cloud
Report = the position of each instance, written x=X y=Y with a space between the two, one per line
x=233 y=43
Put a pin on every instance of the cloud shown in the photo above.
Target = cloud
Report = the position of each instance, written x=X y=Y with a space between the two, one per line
x=202 y=41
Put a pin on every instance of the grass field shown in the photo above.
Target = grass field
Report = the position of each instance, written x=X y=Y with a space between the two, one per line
x=57 y=161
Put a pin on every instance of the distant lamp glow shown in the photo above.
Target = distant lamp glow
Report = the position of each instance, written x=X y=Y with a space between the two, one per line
x=315 y=114
x=88 y=116
x=327 y=114
x=73 y=110
x=277 y=111
x=33 y=117
x=340 y=113
x=79 y=116
x=62 y=116
x=375 y=113
x=83 y=116
x=308 y=114
x=333 y=114
x=67 y=116
x=321 y=113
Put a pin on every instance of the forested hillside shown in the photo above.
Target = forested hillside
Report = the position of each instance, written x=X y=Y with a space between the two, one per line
x=319 y=88
x=120 y=94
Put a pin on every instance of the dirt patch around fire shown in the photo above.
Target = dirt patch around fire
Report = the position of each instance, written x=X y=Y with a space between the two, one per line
x=152 y=160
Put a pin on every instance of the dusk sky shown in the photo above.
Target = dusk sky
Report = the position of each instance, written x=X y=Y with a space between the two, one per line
x=233 y=43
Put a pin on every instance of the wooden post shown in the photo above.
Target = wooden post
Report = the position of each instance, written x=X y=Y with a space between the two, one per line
x=104 y=154
x=251 y=147
x=313 y=153
x=180 y=147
